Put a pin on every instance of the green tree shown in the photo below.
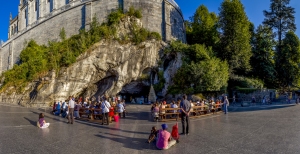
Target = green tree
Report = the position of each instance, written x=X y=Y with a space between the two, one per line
x=207 y=75
x=287 y=64
x=201 y=71
x=202 y=28
x=281 y=18
x=235 y=36
x=262 y=60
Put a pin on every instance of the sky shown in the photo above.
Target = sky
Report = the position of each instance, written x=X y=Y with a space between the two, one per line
x=254 y=10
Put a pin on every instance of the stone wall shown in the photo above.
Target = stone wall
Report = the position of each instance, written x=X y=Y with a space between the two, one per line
x=160 y=16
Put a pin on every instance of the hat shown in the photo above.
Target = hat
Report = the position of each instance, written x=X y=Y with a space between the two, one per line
x=164 y=126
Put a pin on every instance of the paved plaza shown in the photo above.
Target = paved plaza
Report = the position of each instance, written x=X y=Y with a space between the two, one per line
x=259 y=129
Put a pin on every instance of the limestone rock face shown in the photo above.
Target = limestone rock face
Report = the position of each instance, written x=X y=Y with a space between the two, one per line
x=108 y=67
x=105 y=69
x=175 y=62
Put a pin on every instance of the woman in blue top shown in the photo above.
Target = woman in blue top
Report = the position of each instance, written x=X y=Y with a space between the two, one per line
x=57 y=109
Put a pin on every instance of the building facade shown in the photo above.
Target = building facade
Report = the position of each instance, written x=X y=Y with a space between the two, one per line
x=42 y=21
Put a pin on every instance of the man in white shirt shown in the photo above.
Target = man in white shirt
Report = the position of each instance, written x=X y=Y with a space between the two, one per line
x=105 y=109
x=71 y=110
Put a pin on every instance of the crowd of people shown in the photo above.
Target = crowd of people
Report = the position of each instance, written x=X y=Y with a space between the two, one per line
x=158 y=107
x=114 y=109
x=105 y=110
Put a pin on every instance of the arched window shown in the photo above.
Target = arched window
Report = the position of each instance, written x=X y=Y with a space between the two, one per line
x=36 y=5
x=12 y=30
x=15 y=28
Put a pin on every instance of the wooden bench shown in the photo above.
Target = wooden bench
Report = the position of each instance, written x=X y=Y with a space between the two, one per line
x=90 y=112
x=170 y=112
x=196 y=112
x=199 y=111
x=83 y=111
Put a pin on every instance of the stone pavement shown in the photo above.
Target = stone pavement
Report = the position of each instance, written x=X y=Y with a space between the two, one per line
x=270 y=129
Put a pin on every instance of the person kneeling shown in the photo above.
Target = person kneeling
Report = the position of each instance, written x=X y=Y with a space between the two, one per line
x=164 y=140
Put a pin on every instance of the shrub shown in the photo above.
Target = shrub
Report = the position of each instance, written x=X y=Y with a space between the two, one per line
x=114 y=17
x=245 y=82
x=134 y=13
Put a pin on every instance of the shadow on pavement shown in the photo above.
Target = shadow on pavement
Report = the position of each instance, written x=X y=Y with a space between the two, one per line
x=259 y=108
x=31 y=121
x=129 y=142
x=109 y=128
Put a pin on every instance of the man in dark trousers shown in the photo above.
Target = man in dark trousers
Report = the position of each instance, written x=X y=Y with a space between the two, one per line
x=185 y=106
x=71 y=110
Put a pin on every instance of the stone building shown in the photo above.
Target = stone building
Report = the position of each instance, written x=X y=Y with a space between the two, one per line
x=42 y=20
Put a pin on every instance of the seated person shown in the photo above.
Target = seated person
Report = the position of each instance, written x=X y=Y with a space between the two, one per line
x=76 y=110
x=42 y=123
x=163 y=106
x=174 y=105
x=198 y=103
x=155 y=112
x=152 y=135
x=58 y=106
x=164 y=140
x=54 y=107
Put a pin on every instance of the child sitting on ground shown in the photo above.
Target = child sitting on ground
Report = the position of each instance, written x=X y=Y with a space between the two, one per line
x=175 y=134
x=152 y=135
x=42 y=123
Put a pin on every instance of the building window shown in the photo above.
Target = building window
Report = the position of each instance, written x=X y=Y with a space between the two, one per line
x=16 y=29
x=36 y=5
x=175 y=22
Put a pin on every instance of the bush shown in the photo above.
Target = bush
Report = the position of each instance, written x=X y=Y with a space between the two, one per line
x=154 y=35
x=134 y=13
x=115 y=17
x=245 y=82
x=246 y=90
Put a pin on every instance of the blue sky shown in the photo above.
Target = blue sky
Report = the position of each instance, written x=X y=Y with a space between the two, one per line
x=253 y=9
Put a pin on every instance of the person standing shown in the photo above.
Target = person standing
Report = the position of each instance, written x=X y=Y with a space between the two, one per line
x=71 y=110
x=105 y=109
x=121 y=109
x=185 y=106
x=233 y=100
x=226 y=104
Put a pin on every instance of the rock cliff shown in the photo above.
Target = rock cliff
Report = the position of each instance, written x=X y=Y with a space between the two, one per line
x=108 y=67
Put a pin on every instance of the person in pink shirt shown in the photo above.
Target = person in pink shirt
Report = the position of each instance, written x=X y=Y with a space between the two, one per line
x=164 y=140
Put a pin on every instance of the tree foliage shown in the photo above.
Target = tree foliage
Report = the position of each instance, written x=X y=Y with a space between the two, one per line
x=202 y=28
x=280 y=17
x=235 y=36
x=201 y=71
x=262 y=61
x=287 y=64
